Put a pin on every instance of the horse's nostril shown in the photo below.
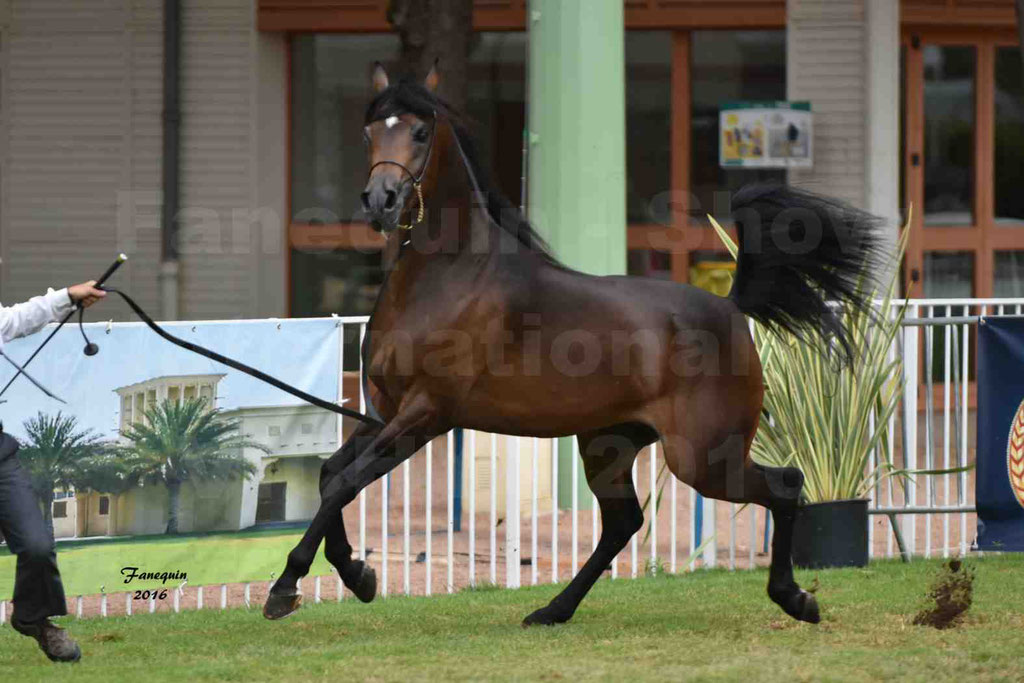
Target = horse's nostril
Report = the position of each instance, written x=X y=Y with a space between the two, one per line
x=365 y=197
x=391 y=197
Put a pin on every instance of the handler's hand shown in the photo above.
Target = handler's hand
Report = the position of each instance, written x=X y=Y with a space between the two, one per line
x=86 y=293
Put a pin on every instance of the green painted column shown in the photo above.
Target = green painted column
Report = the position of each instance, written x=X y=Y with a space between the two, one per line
x=577 y=153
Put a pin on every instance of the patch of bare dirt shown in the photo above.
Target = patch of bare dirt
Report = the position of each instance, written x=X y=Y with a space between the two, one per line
x=949 y=597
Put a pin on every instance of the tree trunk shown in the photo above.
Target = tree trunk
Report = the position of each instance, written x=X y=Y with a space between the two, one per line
x=436 y=29
x=173 y=505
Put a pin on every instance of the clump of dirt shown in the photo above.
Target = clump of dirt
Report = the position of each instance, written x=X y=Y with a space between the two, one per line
x=950 y=596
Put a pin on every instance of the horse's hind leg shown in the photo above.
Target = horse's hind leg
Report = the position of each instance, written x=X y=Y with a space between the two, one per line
x=357 y=576
x=732 y=476
x=607 y=460
x=784 y=485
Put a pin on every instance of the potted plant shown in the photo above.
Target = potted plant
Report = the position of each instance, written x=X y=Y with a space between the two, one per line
x=830 y=420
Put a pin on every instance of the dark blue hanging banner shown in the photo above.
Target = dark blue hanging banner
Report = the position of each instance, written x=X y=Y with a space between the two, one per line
x=1000 y=485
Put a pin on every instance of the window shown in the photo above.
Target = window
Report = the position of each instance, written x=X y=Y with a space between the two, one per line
x=949 y=134
x=330 y=88
x=1009 y=274
x=725 y=66
x=496 y=102
x=648 y=125
x=104 y=505
x=1009 y=138
x=126 y=411
x=60 y=510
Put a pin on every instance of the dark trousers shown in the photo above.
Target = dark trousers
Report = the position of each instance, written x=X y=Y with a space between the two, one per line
x=38 y=592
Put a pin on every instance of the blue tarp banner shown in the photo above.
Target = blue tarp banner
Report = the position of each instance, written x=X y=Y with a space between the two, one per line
x=302 y=352
x=1000 y=484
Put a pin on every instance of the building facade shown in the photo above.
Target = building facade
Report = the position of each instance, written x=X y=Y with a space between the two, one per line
x=916 y=102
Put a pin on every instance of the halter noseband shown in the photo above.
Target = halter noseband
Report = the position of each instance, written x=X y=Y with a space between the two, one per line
x=416 y=178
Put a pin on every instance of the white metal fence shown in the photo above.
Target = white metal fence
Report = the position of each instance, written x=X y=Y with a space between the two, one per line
x=498 y=510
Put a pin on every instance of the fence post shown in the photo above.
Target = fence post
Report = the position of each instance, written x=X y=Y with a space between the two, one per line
x=3 y=612
x=223 y=596
x=710 y=554
x=199 y=598
x=78 y=607
x=512 y=516
x=910 y=377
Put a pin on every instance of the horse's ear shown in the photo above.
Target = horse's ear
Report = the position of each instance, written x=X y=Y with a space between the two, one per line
x=380 y=78
x=433 y=78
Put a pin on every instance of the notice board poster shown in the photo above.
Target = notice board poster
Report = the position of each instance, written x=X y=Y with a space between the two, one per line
x=765 y=135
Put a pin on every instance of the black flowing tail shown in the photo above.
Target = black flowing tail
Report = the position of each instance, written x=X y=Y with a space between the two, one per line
x=798 y=252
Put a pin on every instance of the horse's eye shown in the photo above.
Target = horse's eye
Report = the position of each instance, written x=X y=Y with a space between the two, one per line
x=366 y=137
x=420 y=134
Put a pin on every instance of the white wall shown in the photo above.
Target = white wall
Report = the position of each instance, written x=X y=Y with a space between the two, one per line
x=80 y=152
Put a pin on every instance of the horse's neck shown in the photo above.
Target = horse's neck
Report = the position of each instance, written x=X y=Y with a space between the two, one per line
x=457 y=230
x=451 y=258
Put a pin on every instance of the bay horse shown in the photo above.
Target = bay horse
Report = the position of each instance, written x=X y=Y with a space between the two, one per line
x=479 y=326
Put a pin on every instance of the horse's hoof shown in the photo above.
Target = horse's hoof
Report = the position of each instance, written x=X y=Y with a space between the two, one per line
x=546 y=616
x=363 y=583
x=281 y=605
x=801 y=606
x=809 y=610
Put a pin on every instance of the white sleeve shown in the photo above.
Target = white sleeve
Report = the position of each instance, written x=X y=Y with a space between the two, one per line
x=24 y=319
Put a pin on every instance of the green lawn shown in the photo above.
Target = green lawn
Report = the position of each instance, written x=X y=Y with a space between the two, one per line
x=207 y=558
x=707 y=626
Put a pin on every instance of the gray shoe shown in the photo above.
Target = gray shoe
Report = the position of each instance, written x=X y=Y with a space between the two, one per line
x=54 y=641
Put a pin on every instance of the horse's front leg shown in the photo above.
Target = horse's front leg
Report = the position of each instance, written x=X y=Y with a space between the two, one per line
x=392 y=445
x=357 y=576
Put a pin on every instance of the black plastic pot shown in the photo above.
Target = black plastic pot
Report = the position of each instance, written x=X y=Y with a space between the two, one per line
x=833 y=534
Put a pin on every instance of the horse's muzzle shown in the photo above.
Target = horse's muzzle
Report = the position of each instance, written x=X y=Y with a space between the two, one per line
x=384 y=201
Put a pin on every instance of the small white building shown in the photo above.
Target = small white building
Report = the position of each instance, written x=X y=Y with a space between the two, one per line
x=284 y=489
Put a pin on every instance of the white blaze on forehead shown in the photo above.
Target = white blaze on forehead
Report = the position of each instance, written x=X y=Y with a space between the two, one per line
x=391 y=121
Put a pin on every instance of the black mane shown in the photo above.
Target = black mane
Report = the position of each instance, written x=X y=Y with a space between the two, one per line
x=409 y=97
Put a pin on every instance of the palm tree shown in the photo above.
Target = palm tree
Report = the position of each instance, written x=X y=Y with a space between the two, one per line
x=56 y=454
x=186 y=441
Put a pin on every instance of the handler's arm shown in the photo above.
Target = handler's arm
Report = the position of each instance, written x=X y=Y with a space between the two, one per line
x=23 y=319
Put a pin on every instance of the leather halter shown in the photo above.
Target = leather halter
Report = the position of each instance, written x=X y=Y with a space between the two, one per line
x=417 y=178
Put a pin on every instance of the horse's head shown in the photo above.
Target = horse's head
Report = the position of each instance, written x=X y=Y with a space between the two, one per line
x=400 y=140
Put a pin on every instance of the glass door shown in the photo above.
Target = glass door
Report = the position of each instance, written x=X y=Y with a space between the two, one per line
x=963 y=142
